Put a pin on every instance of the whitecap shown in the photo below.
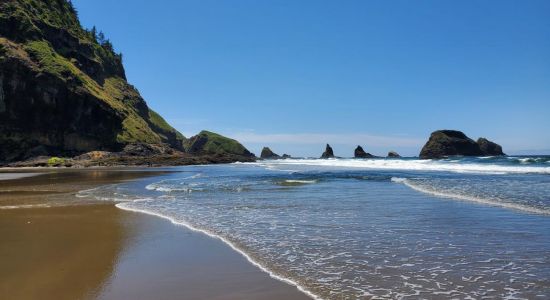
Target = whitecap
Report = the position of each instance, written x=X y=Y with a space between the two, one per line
x=411 y=165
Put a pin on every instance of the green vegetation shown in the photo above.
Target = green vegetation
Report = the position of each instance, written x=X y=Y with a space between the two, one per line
x=43 y=43
x=56 y=162
x=50 y=36
x=213 y=143
x=50 y=61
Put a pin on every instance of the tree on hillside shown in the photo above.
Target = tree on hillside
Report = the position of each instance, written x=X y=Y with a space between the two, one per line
x=93 y=33
x=101 y=38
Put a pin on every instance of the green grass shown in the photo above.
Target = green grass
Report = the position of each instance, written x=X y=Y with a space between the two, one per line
x=219 y=144
x=51 y=12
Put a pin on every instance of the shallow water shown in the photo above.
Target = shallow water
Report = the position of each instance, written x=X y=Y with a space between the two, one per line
x=384 y=228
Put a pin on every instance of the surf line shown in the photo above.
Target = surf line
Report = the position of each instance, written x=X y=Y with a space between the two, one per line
x=227 y=242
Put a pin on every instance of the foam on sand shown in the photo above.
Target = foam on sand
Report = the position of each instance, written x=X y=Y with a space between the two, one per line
x=125 y=206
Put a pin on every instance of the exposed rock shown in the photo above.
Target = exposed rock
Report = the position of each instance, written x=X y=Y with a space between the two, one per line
x=142 y=149
x=63 y=92
x=95 y=155
x=268 y=154
x=210 y=143
x=37 y=151
x=285 y=156
x=328 y=152
x=489 y=148
x=62 y=89
x=393 y=154
x=114 y=159
x=445 y=143
x=360 y=153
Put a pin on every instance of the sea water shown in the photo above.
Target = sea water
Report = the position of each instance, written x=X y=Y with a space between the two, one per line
x=466 y=228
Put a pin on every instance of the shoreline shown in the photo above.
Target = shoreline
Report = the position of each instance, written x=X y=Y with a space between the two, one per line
x=232 y=246
x=45 y=258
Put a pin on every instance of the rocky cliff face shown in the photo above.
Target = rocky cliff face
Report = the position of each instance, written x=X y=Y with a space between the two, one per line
x=444 y=143
x=63 y=89
x=64 y=92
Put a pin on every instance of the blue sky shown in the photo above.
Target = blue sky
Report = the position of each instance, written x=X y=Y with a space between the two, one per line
x=295 y=75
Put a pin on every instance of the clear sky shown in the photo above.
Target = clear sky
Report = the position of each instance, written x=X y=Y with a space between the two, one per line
x=295 y=75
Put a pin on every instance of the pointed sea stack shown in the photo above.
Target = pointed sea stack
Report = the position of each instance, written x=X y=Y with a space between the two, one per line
x=268 y=154
x=328 y=152
x=393 y=154
x=445 y=143
x=360 y=153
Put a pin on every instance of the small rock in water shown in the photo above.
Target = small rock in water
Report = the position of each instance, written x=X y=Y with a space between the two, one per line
x=328 y=152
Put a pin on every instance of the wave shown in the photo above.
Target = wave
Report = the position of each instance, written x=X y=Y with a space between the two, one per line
x=125 y=206
x=299 y=181
x=487 y=201
x=457 y=166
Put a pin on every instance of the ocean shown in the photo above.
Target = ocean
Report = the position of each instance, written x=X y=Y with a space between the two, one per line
x=466 y=228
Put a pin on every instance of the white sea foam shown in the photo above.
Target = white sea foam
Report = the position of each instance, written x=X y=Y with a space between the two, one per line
x=125 y=206
x=412 y=165
x=300 y=181
x=487 y=201
x=398 y=179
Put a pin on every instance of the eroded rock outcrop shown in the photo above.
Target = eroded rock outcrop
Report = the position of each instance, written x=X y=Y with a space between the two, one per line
x=268 y=154
x=393 y=154
x=360 y=153
x=489 y=148
x=328 y=152
x=445 y=143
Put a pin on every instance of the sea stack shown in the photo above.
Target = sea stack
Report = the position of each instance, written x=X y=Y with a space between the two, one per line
x=328 y=152
x=285 y=156
x=489 y=148
x=445 y=143
x=268 y=154
x=393 y=154
x=360 y=153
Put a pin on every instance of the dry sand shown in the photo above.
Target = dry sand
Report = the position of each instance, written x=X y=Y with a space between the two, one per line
x=97 y=251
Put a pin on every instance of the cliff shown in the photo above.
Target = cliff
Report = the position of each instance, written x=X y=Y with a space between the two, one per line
x=63 y=89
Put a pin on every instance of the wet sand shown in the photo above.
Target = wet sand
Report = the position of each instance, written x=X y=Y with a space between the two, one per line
x=97 y=251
